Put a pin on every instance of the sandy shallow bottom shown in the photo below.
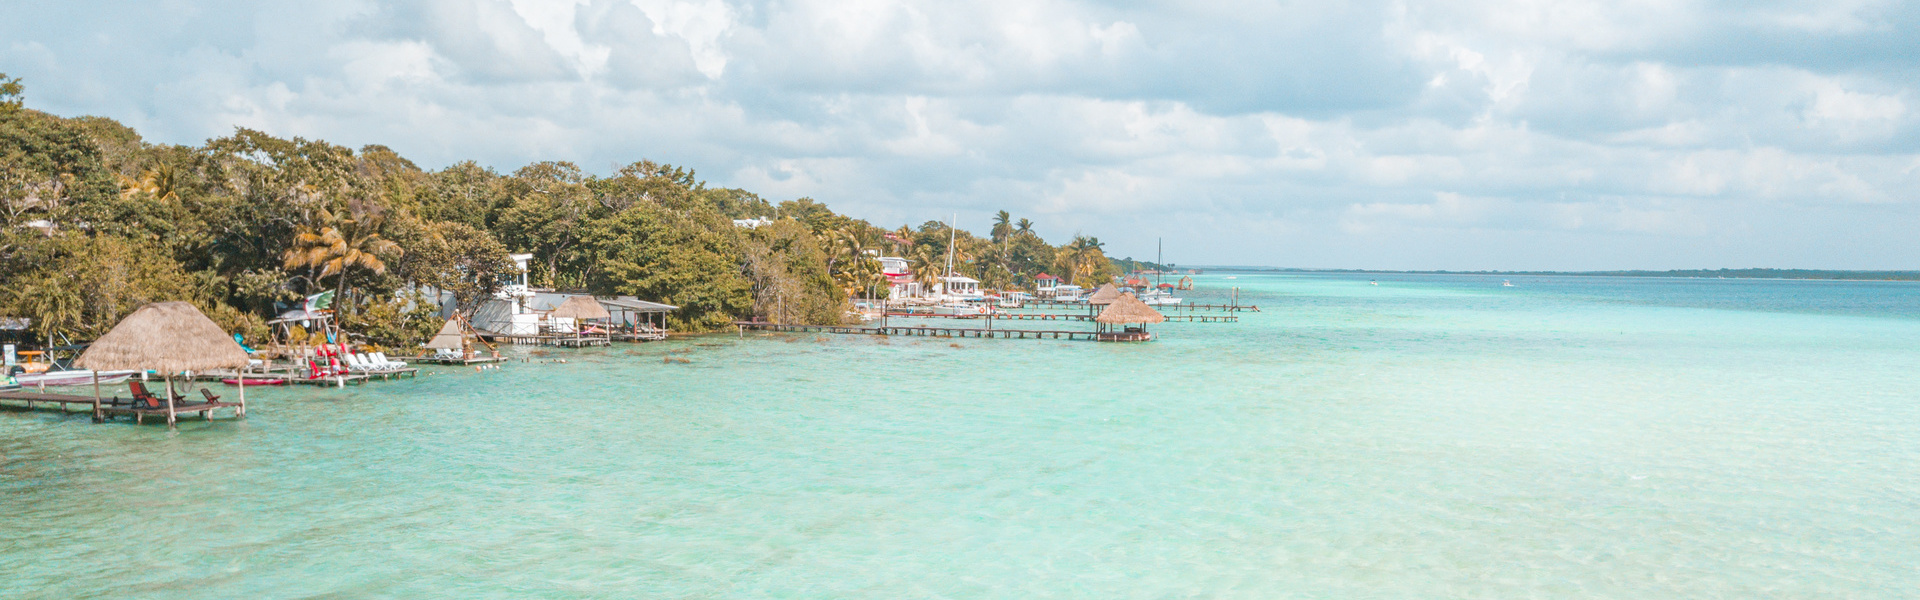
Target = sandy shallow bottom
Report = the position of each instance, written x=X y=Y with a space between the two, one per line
x=1428 y=437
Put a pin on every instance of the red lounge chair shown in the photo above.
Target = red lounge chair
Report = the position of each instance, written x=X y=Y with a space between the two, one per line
x=209 y=396
x=145 y=399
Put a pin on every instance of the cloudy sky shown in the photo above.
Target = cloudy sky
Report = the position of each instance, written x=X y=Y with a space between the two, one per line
x=1488 y=134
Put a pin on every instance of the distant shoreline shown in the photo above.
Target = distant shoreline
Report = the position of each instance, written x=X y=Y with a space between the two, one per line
x=1814 y=274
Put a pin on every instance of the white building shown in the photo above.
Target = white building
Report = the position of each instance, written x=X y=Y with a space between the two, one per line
x=900 y=283
x=511 y=312
x=960 y=287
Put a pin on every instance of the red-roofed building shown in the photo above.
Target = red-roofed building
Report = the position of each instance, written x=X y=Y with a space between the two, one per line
x=1044 y=284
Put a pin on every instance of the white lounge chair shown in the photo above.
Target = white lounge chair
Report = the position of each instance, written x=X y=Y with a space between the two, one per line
x=366 y=364
x=380 y=358
x=357 y=364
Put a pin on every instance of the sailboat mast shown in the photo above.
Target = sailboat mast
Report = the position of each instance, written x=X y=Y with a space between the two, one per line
x=950 y=240
x=1159 y=247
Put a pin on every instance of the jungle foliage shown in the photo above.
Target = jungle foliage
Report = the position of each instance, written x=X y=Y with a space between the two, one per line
x=95 y=221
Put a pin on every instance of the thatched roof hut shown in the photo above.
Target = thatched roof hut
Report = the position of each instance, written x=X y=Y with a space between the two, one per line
x=450 y=337
x=1128 y=309
x=581 y=307
x=1107 y=294
x=169 y=337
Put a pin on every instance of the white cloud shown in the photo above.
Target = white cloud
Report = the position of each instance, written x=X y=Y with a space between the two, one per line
x=700 y=24
x=1368 y=132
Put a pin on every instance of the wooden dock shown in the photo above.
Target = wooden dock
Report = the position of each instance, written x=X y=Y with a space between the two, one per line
x=1063 y=317
x=954 y=332
x=110 y=407
x=458 y=362
x=1163 y=308
x=298 y=376
x=562 y=340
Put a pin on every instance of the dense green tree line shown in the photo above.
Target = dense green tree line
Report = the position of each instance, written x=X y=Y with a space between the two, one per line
x=94 y=222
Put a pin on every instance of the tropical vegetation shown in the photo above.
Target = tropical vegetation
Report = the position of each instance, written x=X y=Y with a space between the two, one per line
x=95 y=221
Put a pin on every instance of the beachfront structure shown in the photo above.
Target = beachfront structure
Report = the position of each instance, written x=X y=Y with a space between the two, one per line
x=1107 y=294
x=1125 y=320
x=454 y=346
x=171 y=338
x=960 y=287
x=900 y=283
x=573 y=316
x=634 y=319
x=1044 y=285
x=510 y=312
x=1067 y=292
x=638 y=320
x=753 y=223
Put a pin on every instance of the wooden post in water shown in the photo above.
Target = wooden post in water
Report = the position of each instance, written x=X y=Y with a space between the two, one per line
x=170 y=417
x=96 y=397
x=242 y=381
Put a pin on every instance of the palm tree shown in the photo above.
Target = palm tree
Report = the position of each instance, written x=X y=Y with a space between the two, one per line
x=159 y=182
x=1082 y=256
x=849 y=262
x=334 y=250
x=1024 y=226
x=929 y=266
x=1002 y=226
x=57 y=305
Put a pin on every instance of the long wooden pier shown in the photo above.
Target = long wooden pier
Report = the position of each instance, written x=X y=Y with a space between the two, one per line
x=1062 y=317
x=297 y=377
x=1163 y=308
x=110 y=407
x=957 y=332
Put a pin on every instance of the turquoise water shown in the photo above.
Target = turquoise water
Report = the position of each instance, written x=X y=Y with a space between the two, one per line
x=1430 y=437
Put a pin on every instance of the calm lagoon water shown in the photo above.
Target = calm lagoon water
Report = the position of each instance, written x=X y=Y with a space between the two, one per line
x=1429 y=437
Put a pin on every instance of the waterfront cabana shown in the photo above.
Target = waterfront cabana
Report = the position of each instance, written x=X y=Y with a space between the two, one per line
x=171 y=338
x=578 y=310
x=1124 y=313
x=1102 y=297
x=1107 y=294
x=451 y=337
x=454 y=346
x=639 y=319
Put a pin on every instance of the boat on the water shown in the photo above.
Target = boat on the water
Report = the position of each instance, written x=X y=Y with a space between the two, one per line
x=1160 y=294
x=253 y=381
x=1158 y=298
x=71 y=377
x=962 y=309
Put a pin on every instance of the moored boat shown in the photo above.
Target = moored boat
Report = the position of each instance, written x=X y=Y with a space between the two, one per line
x=71 y=377
x=253 y=381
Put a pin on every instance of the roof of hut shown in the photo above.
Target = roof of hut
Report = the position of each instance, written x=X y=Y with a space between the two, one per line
x=450 y=336
x=1105 y=295
x=169 y=337
x=1128 y=309
x=581 y=307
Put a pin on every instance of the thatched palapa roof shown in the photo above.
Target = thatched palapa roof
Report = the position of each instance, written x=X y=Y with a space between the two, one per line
x=449 y=337
x=1105 y=295
x=169 y=337
x=581 y=307
x=1129 y=309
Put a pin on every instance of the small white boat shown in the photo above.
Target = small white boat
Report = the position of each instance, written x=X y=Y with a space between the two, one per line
x=71 y=377
x=962 y=309
x=1505 y=283
x=1157 y=298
